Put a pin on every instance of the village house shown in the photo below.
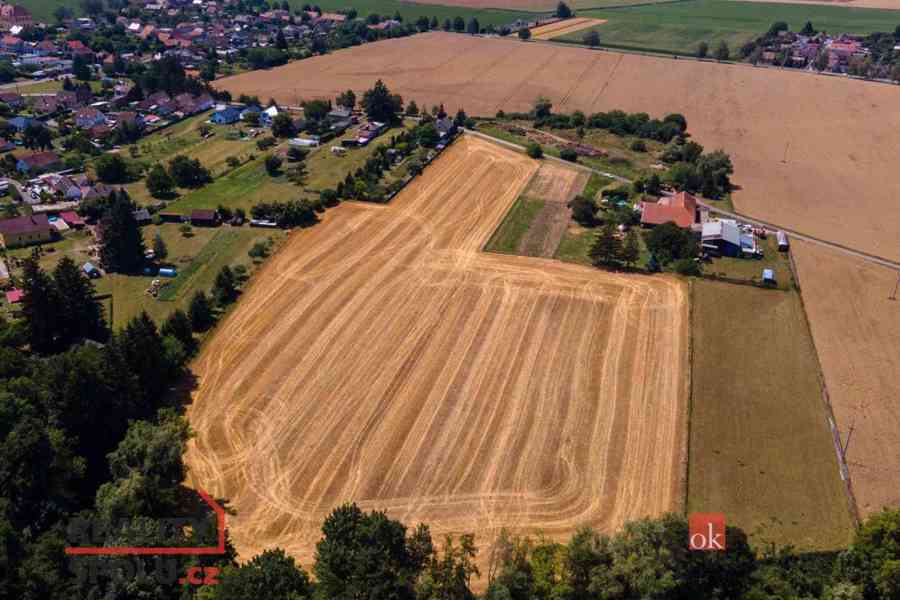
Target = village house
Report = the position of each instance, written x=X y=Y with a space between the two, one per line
x=38 y=162
x=12 y=15
x=130 y=118
x=12 y=99
x=226 y=116
x=12 y=44
x=24 y=231
x=681 y=209
x=44 y=105
x=87 y=118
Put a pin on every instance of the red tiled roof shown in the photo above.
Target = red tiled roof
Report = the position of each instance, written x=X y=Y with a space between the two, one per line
x=203 y=214
x=40 y=159
x=680 y=209
x=22 y=225
x=71 y=218
x=14 y=296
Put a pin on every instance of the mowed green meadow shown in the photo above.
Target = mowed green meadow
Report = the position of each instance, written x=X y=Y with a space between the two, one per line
x=761 y=451
x=679 y=27
x=411 y=11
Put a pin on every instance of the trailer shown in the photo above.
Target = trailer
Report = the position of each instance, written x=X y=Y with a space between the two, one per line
x=783 y=243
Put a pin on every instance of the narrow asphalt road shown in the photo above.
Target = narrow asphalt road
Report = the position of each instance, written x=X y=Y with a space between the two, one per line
x=872 y=258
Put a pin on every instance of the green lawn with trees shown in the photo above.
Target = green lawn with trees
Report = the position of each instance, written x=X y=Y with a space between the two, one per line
x=680 y=27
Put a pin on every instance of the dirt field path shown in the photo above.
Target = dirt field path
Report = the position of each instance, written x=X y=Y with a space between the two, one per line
x=380 y=357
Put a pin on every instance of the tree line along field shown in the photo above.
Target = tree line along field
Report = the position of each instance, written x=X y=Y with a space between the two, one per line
x=478 y=400
x=679 y=27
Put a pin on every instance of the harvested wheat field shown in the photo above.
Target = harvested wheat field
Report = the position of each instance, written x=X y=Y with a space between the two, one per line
x=856 y=328
x=547 y=32
x=380 y=357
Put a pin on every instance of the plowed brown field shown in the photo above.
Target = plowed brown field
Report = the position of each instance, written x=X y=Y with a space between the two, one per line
x=380 y=357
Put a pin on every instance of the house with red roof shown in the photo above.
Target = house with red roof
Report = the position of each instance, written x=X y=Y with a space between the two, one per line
x=14 y=296
x=24 y=231
x=681 y=209
x=72 y=219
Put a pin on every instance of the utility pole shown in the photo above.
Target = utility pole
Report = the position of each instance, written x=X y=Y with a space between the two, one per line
x=847 y=445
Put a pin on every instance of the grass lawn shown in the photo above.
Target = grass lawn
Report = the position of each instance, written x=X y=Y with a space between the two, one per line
x=50 y=87
x=250 y=184
x=576 y=245
x=515 y=225
x=198 y=259
x=678 y=27
x=760 y=448
x=751 y=269
x=43 y=9
x=622 y=160
x=185 y=138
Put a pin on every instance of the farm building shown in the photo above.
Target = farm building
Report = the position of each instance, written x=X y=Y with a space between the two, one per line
x=23 y=231
x=726 y=238
x=91 y=271
x=142 y=216
x=72 y=219
x=681 y=209
x=370 y=131
x=783 y=243
x=204 y=218
x=226 y=116
x=721 y=238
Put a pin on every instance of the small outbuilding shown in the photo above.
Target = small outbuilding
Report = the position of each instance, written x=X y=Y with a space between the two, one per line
x=204 y=218
x=768 y=277
x=783 y=243
x=91 y=271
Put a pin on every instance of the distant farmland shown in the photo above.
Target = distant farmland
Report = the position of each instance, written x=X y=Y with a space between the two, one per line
x=679 y=27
